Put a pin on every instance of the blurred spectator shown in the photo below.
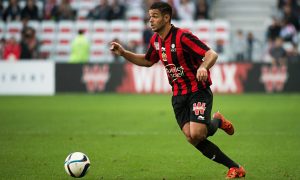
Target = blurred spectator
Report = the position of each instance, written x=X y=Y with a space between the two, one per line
x=25 y=27
x=63 y=11
x=273 y=30
x=100 y=12
x=145 y=4
x=117 y=58
x=29 y=44
x=293 y=55
x=250 y=46
x=80 y=51
x=288 y=32
x=278 y=53
x=291 y=16
x=220 y=46
x=2 y=43
x=284 y=31
x=48 y=6
x=174 y=11
x=11 y=50
x=282 y=3
x=133 y=46
x=1 y=9
x=12 y=12
x=239 y=46
x=117 y=10
x=134 y=3
x=147 y=34
x=202 y=11
x=292 y=3
x=186 y=10
x=30 y=10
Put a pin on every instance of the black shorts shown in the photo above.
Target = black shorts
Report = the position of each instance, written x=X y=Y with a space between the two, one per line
x=195 y=107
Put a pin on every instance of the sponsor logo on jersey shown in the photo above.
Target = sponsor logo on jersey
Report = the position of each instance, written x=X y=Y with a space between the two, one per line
x=174 y=72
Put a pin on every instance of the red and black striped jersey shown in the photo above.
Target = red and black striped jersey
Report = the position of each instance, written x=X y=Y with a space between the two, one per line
x=182 y=53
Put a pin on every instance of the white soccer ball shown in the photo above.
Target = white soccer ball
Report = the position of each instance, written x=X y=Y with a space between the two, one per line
x=77 y=164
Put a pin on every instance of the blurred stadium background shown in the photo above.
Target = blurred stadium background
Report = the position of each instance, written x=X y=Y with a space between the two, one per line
x=117 y=108
x=216 y=22
x=257 y=41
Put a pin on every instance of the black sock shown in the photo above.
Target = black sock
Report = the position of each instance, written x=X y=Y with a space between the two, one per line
x=213 y=126
x=211 y=151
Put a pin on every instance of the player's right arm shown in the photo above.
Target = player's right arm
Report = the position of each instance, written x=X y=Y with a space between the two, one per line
x=138 y=59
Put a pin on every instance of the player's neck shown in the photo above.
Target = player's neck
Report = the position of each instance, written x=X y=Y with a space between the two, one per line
x=162 y=34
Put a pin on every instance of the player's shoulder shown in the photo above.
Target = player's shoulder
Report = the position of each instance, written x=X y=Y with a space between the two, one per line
x=184 y=32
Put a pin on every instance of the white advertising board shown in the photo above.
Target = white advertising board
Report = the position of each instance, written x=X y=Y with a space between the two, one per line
x=27 y=78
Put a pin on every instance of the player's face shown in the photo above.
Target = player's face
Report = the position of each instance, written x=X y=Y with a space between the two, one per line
x=157 y=20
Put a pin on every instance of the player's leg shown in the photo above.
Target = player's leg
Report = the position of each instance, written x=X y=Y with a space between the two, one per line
x=196 y=135
x=201 y=128
x=186 y=131
x=195 y=107
x=218 y=121
x=200 y=103
x=213 y=152
x=197 y=131
x=224 y=124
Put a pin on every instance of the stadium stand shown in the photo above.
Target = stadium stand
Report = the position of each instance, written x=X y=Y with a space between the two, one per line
x=56 y=36
x=225 y=17
x=14 y=29
x=60 y=34
x=2 y=29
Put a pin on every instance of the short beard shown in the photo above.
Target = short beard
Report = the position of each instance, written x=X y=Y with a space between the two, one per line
x=159 y=29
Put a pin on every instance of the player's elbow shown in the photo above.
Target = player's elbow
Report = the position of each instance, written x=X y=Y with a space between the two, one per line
x=148 y=64
x=215 y=55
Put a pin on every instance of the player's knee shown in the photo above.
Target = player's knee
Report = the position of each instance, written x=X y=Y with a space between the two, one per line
x=192 y=141
x=189 y=139
x=198 y=137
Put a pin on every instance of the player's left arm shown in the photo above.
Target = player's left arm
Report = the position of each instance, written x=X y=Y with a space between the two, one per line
x=209 y=60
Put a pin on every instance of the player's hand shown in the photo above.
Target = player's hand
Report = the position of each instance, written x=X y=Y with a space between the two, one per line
x=202 y=74
x=117 y=48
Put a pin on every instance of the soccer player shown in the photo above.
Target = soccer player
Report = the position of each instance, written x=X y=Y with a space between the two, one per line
x=187 y=61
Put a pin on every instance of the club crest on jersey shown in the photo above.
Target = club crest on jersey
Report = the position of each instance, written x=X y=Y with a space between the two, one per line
x=156 y=44
x=173 y=48
x=163 y=54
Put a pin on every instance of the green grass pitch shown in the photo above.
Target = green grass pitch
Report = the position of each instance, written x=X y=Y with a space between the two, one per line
x=136 y=137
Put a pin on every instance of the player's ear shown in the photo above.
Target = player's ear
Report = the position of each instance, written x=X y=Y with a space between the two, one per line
x=167 y=17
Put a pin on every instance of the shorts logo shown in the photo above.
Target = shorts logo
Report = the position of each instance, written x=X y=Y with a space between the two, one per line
x=200 y=117
x=199 y=108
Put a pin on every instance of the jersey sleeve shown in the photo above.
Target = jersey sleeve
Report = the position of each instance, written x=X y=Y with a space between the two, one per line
x=152 y=54
x=193 y=45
